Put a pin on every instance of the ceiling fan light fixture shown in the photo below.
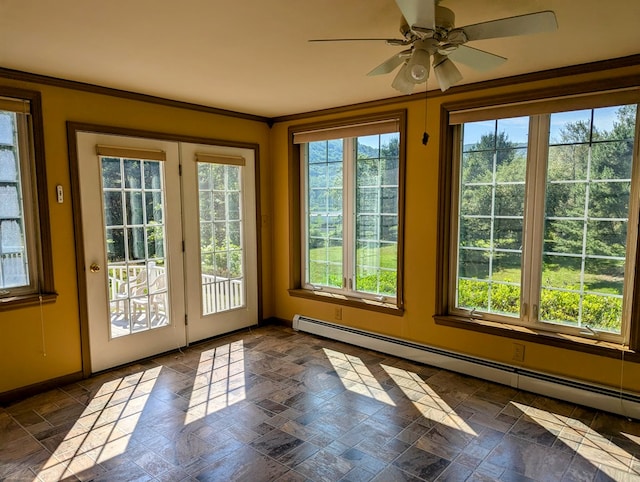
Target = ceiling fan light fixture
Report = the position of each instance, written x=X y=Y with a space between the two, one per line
x=403 y=82
x=446 y=72
x=419 y=65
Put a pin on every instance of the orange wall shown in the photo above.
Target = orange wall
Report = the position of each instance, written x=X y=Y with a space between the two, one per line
x=417 y=323
x=23 y=361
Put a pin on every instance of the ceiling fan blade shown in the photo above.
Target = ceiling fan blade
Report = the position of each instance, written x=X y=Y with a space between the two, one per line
x=506 y=27
x=418 y=12
x=476 y=58
x=390 y=64
x=393 y=41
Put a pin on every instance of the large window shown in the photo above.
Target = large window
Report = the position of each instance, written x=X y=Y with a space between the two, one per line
x=544 y=219
x=350 y=210
x=23 y=261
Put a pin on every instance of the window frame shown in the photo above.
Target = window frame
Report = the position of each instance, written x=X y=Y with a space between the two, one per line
x=297 y=209
x=528 y=103
x=36 y=207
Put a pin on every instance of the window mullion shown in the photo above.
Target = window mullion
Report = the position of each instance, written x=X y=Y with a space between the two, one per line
x=632 y=240
x=304 y=222
x=26 y=201
x=535 y=213
x=348 y=214
x=456 y=185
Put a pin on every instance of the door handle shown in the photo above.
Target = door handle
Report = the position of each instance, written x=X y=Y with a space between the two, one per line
x=94 y=268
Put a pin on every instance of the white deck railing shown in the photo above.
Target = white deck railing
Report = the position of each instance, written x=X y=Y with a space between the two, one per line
x=218 y=293
x=221 y=294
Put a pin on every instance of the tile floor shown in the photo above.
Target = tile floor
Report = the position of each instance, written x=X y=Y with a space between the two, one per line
x=271 y=404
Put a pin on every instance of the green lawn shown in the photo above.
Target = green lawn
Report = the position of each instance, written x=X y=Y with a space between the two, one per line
x=384 y=257
x=567 y=278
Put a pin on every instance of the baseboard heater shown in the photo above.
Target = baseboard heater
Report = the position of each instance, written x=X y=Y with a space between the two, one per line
x=575 y=391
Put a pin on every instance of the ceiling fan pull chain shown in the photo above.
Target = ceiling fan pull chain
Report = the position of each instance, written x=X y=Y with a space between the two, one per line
x=425 y=135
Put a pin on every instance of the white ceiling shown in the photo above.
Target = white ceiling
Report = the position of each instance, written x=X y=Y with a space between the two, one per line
x=252 y=56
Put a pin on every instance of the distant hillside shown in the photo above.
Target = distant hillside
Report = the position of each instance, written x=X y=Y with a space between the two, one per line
x=316 y=150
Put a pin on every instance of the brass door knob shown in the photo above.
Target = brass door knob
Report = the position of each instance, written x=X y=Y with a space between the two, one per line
x=94 y=268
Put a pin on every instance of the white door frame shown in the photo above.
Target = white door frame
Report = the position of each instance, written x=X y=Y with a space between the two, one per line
x=73 y=128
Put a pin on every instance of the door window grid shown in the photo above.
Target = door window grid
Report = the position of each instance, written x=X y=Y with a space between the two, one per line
x=133 y=205
x=221 y=243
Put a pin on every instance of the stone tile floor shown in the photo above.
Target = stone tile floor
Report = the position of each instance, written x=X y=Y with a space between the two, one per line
x=271 y=404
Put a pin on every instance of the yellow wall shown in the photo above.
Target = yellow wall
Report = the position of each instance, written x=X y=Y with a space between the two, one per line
x=417 y=323
x=22 y=361
x=22 y=358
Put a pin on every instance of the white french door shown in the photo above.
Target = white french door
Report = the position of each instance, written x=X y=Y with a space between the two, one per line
x=152 y=235
x=220 y=241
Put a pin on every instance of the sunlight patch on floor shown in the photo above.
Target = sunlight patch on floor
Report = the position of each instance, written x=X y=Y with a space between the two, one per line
x=219 y=381
x=105 y=427
x=425 y=398
x=356 y=377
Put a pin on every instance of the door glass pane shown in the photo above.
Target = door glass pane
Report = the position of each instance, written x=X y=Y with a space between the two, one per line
x=491 y=215
x=135 y=242
x=221 y=243
x=586 y=217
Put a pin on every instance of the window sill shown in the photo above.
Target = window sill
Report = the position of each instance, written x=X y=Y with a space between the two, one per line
x=559 y=340
x=16 y=302
x=365 y=304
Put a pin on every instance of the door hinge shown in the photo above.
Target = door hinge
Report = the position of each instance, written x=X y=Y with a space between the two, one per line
x=179 y=169
x=186 y=319
x=183 y=245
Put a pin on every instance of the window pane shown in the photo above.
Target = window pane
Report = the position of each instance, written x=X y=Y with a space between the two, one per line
x=491 y=213
x=14 y=267
x=567 y=163
x=113 y=208
x=8 y=166
x=153 y=207
x=7 y=128
x=132 y=174
x=570 y=127
x=587 y=210
x=609 y=200
x=376 y=215
x=476 y=200
x=368 y=147
x=324 y=213
x=475 y=232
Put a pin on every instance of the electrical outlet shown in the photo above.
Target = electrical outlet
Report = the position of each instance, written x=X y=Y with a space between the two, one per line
x=518 y=352
x=338 y=313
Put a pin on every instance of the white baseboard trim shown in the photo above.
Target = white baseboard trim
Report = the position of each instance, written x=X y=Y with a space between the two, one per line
x=591 y=395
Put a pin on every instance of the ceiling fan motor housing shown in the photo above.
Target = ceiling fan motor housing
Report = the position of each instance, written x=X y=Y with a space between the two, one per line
x=445 y=18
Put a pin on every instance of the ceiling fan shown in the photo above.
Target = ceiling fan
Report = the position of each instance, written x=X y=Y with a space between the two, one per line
x=429 y=31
